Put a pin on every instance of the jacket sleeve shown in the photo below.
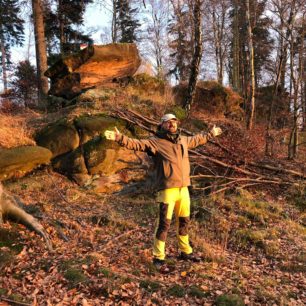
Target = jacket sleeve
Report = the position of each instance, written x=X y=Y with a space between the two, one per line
x=198 y=140
x=145 y=145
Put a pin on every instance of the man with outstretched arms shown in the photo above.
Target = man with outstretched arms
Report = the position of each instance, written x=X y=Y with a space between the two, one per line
x=170 y=153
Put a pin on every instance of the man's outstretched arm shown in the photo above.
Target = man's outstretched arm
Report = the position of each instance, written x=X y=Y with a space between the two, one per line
x=202 y=138
x=130 y=143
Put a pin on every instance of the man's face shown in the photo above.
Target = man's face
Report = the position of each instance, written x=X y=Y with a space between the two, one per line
x=170 y=126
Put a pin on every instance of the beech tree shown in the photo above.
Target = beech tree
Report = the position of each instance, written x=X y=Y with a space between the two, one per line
x=197 y=54
x=181 y=40
x=251 y=96
x=157 y=27
x=41 y=52
x=281 y=63
x=239 y=72
x=297 y=52
x=218 y=32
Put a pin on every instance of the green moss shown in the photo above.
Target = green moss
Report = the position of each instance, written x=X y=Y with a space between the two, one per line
x=74 y=276
x=195 y=291
x=17 y=298
x=249 y=236
x=150 y=286
x=176 y=291
x=106 y=272
x=3 y=291
x=6 y=257
x=297 y=196
x=10 y=239
x=229 y=300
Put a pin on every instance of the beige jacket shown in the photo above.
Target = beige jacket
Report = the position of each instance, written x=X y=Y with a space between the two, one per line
x=170 y=157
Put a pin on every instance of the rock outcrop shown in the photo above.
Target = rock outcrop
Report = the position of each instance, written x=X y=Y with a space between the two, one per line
x=16 y=162
x=92 y=67
x=81 y=152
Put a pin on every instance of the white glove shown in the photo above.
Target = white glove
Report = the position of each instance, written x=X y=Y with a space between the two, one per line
x=215 y=131
x=112 y=135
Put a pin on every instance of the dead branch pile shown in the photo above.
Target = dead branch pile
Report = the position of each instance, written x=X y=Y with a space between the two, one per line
x=216 y=168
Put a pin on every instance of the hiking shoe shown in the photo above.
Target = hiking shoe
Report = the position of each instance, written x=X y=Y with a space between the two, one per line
x=158 y=263
x=190 y=257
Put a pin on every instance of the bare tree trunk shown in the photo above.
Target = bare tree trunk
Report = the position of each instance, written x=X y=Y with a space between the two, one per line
x=280 y=72
x=158 y=13
x=304 y=96
x=236 y=51
x=41 y=52
x=218 y=31
x=198 y=47
x=297 y=82
x=4 y=68
x=292 y=145
x=61 y=27
x=250 y=117
x=114 y=23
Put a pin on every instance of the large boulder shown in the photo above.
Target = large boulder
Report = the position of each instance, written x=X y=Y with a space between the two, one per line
x=90 y=126
x=18 y=161
x=91 y=68
x=60 y=137
x=71 y=163
x=107 y=157
x=81 y=152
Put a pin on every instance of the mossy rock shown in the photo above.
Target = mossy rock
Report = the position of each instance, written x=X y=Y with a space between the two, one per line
x=96 y=154
x=59 y=137
x=90 y=126
x=101 y=155
x=16 y=162
x=70 y=163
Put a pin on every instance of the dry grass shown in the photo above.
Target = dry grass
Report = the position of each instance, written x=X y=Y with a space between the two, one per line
x=14 y=131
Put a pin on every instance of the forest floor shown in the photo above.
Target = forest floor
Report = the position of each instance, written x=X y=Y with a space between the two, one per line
x=253 y=249
x=252 y=242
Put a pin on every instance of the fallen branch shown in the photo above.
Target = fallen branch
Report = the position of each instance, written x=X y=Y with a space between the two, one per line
x=109 y=243
x=250 y=169
x=223 y=164
x=14 y=302
x=268 y=167
x=246 y=179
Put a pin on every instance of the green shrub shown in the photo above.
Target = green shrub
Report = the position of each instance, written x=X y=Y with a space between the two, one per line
x=178 y=111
